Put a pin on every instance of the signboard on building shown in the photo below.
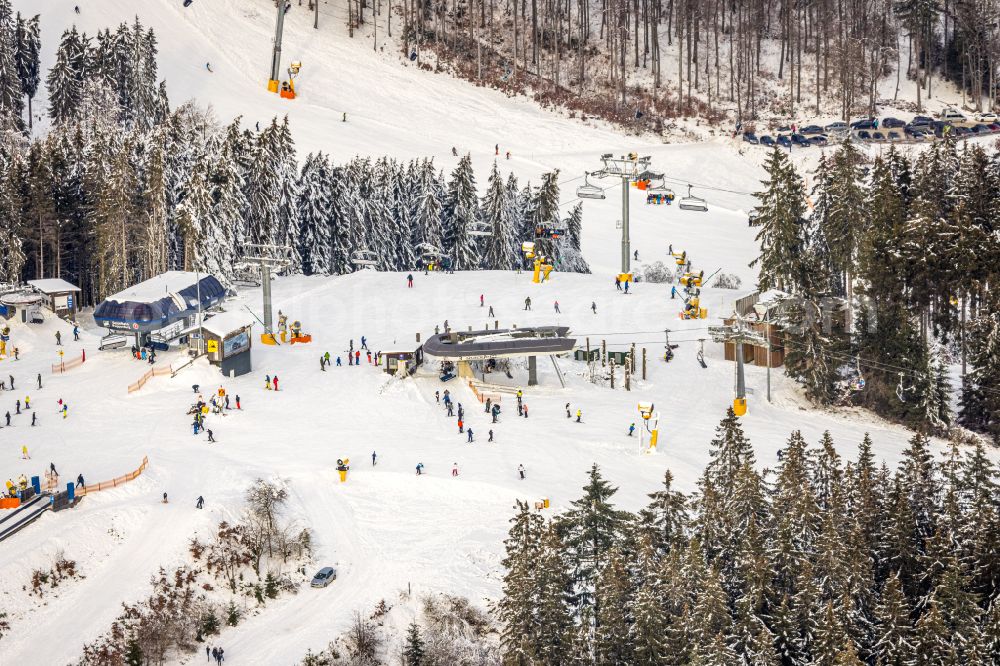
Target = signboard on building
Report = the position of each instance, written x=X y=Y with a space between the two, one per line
x=236 y=344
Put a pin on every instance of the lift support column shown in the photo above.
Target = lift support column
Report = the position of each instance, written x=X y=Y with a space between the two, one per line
x=532 y=371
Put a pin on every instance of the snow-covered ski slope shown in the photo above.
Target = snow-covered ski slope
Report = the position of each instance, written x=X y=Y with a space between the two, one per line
x=385 y=528
x=399 y=110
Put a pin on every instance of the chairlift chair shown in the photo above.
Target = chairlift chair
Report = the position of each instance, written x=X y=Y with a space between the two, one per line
x=364 y=259
x=588 y=191
x=857 y=382
x=691 y=202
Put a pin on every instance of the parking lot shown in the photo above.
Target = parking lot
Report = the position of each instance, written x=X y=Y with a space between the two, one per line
x=890 y=129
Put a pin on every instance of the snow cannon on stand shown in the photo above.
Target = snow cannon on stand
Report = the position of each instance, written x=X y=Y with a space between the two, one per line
x=342 y=466
x=693 y=309
x=680 y=258
x=692 y=279
x=288 y=87
x=651 y=423
x=542 y=269
x=298 y=335
x=528 y=247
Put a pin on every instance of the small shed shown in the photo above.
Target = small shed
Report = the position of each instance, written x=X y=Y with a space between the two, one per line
x=403 y=363
x=58 y=295
x=227 y=341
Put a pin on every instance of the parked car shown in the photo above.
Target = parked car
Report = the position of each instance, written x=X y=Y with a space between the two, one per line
x=987 y=118
x=801 y=140
x=893 y=123
x=750 y=137
x=994 y=127
x=784 y=141
x=818 y=140
x=839 y=126
x=766 y=140
x=962 y=132
x=811 y=129
x=921 y=120
x=912 y=128
x=324 y=577
x=918 y=136
x=878 y=136
x=863 y=124
x=784 y=129
x=893 y=135
x=864 y=135
x=952 y=116
x=981 y=129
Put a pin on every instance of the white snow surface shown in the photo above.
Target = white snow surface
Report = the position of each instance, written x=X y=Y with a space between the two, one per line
x=157 y=288
x=385 y=528
x=52 y=285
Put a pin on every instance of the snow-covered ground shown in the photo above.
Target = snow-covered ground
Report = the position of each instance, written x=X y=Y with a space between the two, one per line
x=385 y=528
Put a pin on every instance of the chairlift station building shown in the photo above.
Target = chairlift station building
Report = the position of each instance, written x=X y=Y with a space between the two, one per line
x=160 y=308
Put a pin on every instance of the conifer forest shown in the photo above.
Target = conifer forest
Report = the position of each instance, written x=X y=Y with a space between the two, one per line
x=819 y=561
x=123 y=187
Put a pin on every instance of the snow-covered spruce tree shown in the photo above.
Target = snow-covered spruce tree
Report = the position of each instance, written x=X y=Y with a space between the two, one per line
x=462 y=212
x=263 y=187
x=544 y=214
x=729 y=451
x=413 y=649
x=647 y=632
x=780 y=213
x=286 y=230
x=613 y=598
x=665 y=520
x=11 y=93
x=314 y=214
x=980 y=401
x=499 y=254
x=65 y=79
x=840 y=213
x=570 y=256
x=590 y=530
x=517 y=608
x=12 y=257
x=154 y=204
x=554 y=615
x=194 y=219
x=27 y=58
x=428 y=212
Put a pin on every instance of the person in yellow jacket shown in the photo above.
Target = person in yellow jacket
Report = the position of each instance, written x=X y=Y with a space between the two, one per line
x=27 y=402
x=22 y=481
x=10 y=488
x=579 y=415
x=24 y=452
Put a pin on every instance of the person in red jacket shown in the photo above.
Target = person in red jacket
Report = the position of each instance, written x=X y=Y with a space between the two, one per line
x=275 y=380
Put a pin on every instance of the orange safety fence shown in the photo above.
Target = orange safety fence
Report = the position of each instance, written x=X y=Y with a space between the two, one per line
x=63 y=366
x=117 y=481
x=481 y=396
x=149 y=374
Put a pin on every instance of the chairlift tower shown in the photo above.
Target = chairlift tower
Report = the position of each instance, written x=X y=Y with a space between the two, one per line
x=629 y=168
x=268 y=258
x=739 y=333
x=274 y=82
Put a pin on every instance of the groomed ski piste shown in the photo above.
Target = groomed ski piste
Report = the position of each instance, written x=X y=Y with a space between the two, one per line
x=386 y=528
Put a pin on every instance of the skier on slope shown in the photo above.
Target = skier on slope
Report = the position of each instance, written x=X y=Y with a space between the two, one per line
x=520 y=471
x=208 y=66
x=631 y=429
